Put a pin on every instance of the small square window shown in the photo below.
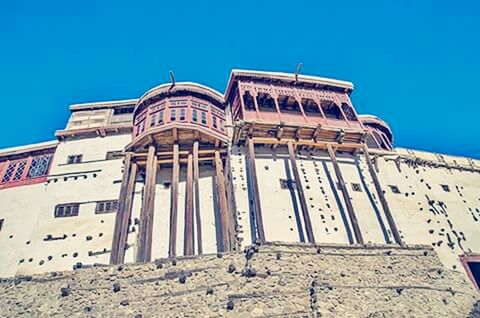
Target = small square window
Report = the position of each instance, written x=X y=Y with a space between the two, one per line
x=287 y=184
x=112 y=155
x=356 y=187
x=394 y=189
x=445 y=187
x=72 y=159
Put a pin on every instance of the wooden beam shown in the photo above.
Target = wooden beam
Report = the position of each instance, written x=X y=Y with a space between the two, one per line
x=172 y=249
x=127 y=214
x=196 y=173
x=121 y=210
x=256 y=195
x=301 y=194
x=222 y=202
x=346 y=197
x=316 y=132
x=321 y=145
x=188 y=245
x=144 y=251
x=383 y=201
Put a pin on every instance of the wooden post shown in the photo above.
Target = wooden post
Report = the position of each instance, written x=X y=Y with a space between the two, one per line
x=196 y=173
x=346 y=197
x=301 y=194
x=383 y=201
x=122 y=244
x=172 y=250
x=144 y=252
x=114 y=255
x=256 y=195
x=222 y=201
x=188 y=248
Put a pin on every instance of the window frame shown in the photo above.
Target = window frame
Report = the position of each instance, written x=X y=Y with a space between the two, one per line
x=74 y=209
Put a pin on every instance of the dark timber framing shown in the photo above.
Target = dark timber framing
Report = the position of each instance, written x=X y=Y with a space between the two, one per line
x=346 y=197
x=301 y=194
x=256 y=195
x=172 y=249
x=383 y=201
x=144 y=252
x=196 y=173
x=188 y=245
x=222 y=202
x=124 y=211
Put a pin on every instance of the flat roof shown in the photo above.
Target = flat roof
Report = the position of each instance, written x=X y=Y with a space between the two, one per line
x=105 y=104
x=28 y=148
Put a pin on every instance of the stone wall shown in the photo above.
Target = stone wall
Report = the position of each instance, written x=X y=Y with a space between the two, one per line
x=272 y=280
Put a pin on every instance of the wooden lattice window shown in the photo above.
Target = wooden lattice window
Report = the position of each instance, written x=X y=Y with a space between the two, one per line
x=109 y=206
x=39 y=166
x=349 y=113
x=66 y=210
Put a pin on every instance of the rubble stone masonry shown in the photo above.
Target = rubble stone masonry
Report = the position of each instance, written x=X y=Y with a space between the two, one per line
x=272 y=280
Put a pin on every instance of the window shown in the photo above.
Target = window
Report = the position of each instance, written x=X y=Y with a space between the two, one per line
x=66 y=210
x=173 y=115
x=112 y=155
x=182 y=114
x=9 y=172
x=331 y=110
x=110 y=206
x=123 y=110
x=72 y=159
x=1 y=224
x=194 y=116
x=445 y=187
x=287 y=184
x=356 y=187
x=39 y=166
x=160 y=117
x=204 y=118
x=153 y=119
x=394 y=189
x=215 y=125
x=20 y=168
x=349 y=113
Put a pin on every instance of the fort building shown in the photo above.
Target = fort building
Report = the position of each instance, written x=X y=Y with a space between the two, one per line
x=185 y=170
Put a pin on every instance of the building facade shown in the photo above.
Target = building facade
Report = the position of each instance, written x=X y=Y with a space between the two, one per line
x=185 y=170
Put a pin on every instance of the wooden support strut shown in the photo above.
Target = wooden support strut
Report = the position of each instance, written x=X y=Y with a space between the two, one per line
x=144 y=252
x=256 y=195
x=346 y=197
x=188 y=245
x=121 y=210
x=172 y=249
x=301 y=195
x=222 y=200
x=383 y=201
x=122 y=243
x=196 y=173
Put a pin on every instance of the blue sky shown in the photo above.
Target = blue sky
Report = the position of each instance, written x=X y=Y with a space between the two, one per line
x=414 y=63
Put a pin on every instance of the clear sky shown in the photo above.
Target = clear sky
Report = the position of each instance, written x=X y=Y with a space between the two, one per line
x=416 y=64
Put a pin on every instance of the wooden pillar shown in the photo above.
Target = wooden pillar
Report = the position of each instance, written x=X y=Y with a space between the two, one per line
x=301 y=194
x=346 y=197
x=188 y=245
x=383 y=201
x=196 y=173
x=144 y=252
x=256 y=195
x=222 y=201
x=122 y=244
x=124 y=210
x=172 y=249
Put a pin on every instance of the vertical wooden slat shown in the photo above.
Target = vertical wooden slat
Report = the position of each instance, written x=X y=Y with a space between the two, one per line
x=383 y=201
x=254 y=184
x=196 y=173
x=222 y=201
x=172 y=250
x=188 y=248
x=231 y=204
x=121 y=209
x=144 y=251
x=127 y=214
x=301 y=194
x=346 y=197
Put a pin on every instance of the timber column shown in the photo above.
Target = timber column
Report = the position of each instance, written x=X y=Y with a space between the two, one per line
x=144 y=251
